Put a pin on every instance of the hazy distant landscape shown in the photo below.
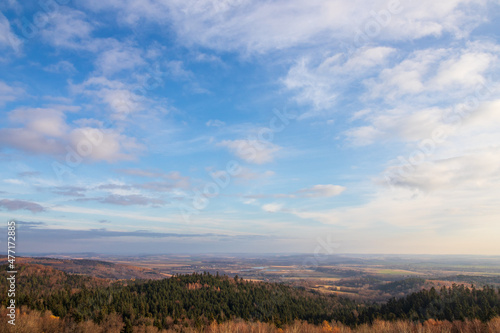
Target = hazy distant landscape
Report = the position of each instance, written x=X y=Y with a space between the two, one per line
x=360 y=277
x=247 y=293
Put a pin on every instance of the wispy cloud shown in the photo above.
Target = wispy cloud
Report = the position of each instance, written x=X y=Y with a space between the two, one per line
x=429 y=73
x=252 y=151
x=421 y=93
x=45 y=131
x=118 y=58
x=7 y=37
x=215 y=123
x=129 y=200
x=477 y=169
x=318 y=191
x=62 y=66
x=9 y=93
x=142 y=173
x=69 y=28
x=258 y=26
x=21 y=205
x=70 y=191
x=25 y=174
x=272 y=207
x=320 y=84
x=36 y=231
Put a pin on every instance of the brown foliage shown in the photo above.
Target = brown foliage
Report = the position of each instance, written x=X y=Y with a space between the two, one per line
x=31 y=321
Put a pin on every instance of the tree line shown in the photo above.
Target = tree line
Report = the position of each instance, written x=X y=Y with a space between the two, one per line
x=197 y=300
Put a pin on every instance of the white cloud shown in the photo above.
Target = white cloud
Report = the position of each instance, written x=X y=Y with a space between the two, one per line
x=320 y=84
x=177 y=70
x=405 y=96
x=262 y=26
x=14 y=181
x=45 y=131
x=252 y=151
x=21 y=204
x=363 y=135
x=242 y=175
x=47 y=122
x=475 y=169
x=431 y=18
x=68 y=28
x=9 y=93
x=148 y=173
x=7 y=37
x=215 y=123
x=249 y=201
x=272 y=207
x=62 y=66
x=466 y=70
x=405 y=77
x=430 y=72
x=486 y=116
x=113 y=146
x=318 y=191
x=409 y=124
x=247 y=174
x=129 y=200
x=456 y=208
x=119 y=57
x=467 y=154
x=364 y=59
x=443 y=185
x=42 y=131
x=313 y=87
x=118 y=96
x=72 y=29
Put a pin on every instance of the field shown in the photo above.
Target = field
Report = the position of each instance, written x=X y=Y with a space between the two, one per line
x=361 y=277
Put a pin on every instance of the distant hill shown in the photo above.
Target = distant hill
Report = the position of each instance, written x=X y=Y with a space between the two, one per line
x=477 y=280
x=95 y=268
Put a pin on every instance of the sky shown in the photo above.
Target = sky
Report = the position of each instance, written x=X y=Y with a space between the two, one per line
x=250 y=126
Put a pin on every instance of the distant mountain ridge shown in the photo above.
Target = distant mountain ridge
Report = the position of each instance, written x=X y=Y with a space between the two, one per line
x=95 y=268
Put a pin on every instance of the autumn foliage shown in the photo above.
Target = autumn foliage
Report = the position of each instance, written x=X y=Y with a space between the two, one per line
x=32 y=321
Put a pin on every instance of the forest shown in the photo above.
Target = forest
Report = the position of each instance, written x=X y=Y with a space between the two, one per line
x=201 y=302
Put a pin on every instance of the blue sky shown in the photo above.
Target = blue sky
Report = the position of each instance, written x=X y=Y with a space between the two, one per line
x=251 y=126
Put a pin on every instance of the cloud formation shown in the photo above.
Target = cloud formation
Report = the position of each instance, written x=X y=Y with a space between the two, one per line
x=45 y=131
x=8 y=38
x=129 y=200
x=21 y=205
x=318 y=191
x=9 y=93
x=70 y=191
x=319 y=84
x=272 y=207
x=264 y=26
x=396 y=100
x=252 y=151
